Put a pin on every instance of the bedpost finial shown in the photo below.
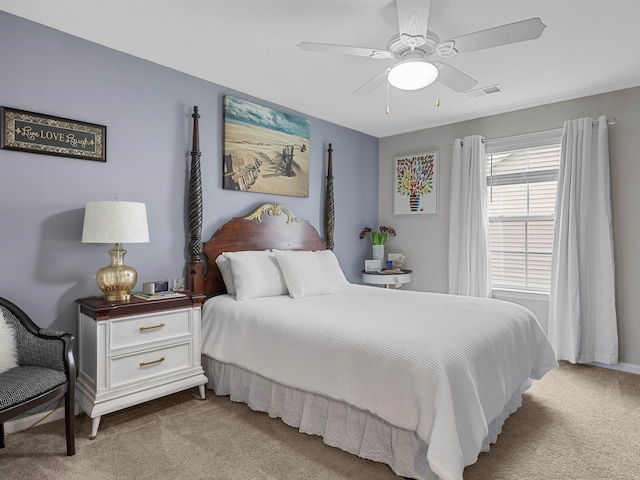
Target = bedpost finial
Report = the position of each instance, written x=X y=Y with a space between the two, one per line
x=195 y=112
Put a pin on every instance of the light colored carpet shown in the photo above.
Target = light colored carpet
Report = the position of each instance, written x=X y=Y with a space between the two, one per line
x=578 y=423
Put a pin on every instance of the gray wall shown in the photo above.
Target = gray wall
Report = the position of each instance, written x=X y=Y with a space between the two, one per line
x=146 y=107
x=424 y=239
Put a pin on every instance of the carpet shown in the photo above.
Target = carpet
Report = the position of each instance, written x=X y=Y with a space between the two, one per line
x=577 y=423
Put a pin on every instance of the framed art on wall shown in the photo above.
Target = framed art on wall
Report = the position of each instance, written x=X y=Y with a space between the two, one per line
x=39 y=133
x=265 y=150
x=416 y=184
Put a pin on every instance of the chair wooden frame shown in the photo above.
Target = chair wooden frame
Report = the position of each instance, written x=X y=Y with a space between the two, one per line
x=67 y=389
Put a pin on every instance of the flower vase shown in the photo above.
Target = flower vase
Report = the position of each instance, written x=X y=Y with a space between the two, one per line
x=378 y=254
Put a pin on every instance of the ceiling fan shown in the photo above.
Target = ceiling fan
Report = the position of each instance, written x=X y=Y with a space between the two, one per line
x=419 y=53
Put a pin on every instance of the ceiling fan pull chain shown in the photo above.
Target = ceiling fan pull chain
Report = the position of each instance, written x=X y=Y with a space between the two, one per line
x=388 y=111
x=437 y=93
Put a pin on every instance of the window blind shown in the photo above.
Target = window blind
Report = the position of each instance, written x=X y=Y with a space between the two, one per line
x=522 y=176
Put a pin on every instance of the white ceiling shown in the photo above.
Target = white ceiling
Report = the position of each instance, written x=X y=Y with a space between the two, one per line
x=588 y=47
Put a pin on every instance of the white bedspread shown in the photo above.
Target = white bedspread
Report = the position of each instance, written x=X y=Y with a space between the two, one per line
x=443 y=366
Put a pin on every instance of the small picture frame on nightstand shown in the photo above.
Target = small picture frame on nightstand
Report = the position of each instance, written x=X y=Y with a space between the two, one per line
x=397 y=259
x=372 y=266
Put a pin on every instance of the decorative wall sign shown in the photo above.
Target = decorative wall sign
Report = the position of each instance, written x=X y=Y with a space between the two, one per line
x=38 y=133
x=416 y=184
x=265 y=150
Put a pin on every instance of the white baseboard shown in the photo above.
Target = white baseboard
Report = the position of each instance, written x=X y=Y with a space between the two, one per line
x=622 y=367
x=22 y=423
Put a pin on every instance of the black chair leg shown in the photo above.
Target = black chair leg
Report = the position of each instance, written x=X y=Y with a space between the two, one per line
x=69 y=422
x=1 y=435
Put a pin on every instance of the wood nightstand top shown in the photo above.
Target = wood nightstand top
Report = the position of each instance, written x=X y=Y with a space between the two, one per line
x=100 y=309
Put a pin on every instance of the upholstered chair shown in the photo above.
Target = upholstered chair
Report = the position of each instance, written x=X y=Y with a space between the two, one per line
x=45 y=371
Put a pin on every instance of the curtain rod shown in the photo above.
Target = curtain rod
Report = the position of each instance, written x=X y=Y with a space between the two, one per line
x=610 y=121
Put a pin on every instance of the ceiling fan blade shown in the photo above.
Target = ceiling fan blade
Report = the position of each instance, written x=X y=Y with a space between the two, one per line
x=372 y=84
x=493 y=37
x=413 y=17
x=454 y=78
x=345 y=50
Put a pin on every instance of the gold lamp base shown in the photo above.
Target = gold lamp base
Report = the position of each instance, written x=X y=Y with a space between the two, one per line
x=117 y=280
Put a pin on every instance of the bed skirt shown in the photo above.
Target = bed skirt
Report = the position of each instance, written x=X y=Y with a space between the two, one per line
x=340 y=425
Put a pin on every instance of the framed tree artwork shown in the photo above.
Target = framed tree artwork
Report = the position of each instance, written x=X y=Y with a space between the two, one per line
x=416 y=184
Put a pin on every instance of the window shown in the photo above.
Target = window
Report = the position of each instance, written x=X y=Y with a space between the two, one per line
x=522 y=178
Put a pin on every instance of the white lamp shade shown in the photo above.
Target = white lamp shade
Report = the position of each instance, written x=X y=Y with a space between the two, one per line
x=115 y=222
x=413 y=75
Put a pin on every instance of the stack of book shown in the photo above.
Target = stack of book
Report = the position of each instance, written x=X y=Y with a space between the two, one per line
x=158 y=295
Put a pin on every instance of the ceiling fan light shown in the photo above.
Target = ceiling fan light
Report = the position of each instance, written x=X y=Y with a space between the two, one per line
x=412 y=75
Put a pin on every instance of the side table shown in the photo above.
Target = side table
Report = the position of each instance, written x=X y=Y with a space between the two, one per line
x=387 y=279
x=136 y=350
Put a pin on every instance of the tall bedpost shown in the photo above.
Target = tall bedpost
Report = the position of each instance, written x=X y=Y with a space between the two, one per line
x=195 y=268
x=329 y=221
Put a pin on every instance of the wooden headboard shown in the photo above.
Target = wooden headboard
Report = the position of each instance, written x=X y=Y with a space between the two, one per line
x=271 y=225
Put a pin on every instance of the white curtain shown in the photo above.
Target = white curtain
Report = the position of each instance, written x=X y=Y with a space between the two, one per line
x=469 y=267
x=582 y=312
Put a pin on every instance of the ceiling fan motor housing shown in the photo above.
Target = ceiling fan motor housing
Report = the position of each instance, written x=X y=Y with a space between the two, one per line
x=400 y=50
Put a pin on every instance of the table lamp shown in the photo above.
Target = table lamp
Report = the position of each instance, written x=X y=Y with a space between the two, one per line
x=115 y=222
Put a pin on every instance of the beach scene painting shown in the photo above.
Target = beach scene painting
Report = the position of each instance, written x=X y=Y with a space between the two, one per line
x=265 y=150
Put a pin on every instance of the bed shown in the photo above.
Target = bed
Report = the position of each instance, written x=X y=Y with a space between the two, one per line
x=422 y=382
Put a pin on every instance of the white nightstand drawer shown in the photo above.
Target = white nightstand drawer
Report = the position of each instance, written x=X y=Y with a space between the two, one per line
x=145 y=329
x=151 y=363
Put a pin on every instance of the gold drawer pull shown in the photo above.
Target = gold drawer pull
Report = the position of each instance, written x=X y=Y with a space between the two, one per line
x=144 y=364
x=142 y=329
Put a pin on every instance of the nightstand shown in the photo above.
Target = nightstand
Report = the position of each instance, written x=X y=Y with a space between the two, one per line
x=134 y=351
x=387 y=279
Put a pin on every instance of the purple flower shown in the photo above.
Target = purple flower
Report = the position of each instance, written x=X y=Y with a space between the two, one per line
x=379 y=237
x=388 y=230
x=364 y=232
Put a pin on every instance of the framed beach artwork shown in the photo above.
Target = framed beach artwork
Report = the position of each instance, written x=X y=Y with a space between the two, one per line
x=265 y=150
x=416 y=184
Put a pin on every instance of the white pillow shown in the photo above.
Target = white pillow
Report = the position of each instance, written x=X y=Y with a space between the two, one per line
x=256 y=274
x=303 y=273
x=227 y=275
x=331 y=267
x=8 y=349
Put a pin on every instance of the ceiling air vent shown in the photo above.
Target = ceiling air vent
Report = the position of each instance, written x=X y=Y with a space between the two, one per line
x=480 y=92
